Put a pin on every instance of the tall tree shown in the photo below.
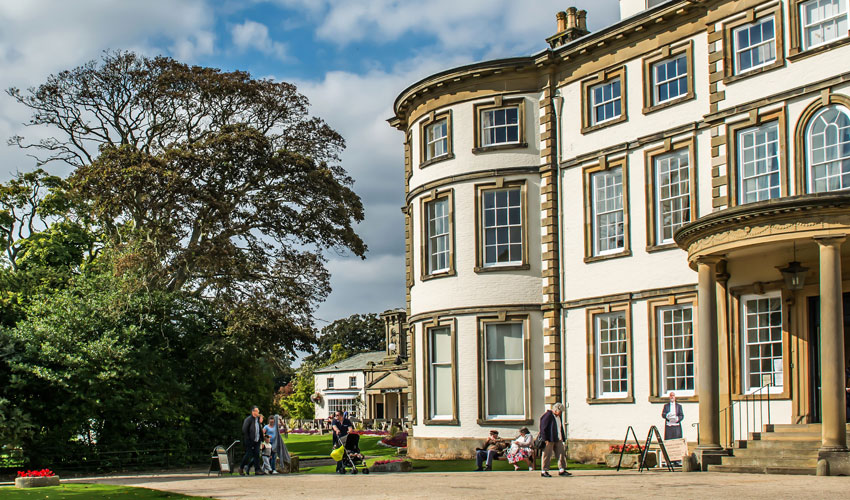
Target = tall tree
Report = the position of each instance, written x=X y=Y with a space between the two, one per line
x=217 y=184
x=355 y=334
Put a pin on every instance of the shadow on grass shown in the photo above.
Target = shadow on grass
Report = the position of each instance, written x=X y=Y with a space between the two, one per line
x=83 y=491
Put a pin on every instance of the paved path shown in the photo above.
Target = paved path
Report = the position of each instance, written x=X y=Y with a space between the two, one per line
x=480 y=485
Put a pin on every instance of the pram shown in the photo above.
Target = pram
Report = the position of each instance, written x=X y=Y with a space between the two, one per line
x=351 y=457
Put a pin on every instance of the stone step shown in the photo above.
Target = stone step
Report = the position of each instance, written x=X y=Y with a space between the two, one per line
x=776 y=452
x=763 y=445
x=796 y=428
x=745 y=469
x=772 y=461
x=754 y=469
x=797 y=471
x=791 y=436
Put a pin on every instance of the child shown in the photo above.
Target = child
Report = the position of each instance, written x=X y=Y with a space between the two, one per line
x=266 y=448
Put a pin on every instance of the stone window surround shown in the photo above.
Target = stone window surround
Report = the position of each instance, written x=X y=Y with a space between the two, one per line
x=451 y=324
x=603 y=76
x=587 y=173
x=500 y=183
x=736 y=335
x=669 y=146
x=499 y=102
x=827 y=98
x=424 y=256
x=434 y=117
x=667 y=52
x=756 y=118
x=750 y=16
x=504 y=317
x=653 y=306
x=796 y=50
x=592 y=387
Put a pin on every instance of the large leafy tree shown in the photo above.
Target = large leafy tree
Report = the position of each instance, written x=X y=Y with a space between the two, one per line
x=222 y=185
x=355 y=334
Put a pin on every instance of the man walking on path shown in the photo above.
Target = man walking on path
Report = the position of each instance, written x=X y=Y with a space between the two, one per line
x=252 y=436
x=552 y=430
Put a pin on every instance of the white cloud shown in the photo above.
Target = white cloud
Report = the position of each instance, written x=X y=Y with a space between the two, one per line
x=254 y=35
x=497 y=27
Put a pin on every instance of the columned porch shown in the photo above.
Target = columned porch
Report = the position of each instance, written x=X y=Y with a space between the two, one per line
x=762 y=330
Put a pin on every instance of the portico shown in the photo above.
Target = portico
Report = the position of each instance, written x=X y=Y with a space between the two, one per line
x=785 y=339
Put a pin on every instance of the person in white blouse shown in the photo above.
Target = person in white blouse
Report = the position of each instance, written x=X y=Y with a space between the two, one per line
x=521 y=450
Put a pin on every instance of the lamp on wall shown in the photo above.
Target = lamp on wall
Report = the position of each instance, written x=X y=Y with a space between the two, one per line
x=794 y=273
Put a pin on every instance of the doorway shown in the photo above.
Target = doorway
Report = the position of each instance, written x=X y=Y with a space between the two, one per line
x=814 y=351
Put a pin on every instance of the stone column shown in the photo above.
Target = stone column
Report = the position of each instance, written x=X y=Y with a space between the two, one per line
x=833 y=431
x=707 y=369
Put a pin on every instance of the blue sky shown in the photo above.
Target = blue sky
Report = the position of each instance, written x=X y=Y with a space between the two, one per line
x=351 y=58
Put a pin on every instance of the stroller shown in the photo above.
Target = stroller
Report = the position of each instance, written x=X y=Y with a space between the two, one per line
x=351 y=456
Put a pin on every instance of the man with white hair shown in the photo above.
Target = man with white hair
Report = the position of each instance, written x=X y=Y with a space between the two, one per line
x=552 y=430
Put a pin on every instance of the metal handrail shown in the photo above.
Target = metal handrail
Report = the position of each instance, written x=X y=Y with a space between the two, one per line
x=753 y=404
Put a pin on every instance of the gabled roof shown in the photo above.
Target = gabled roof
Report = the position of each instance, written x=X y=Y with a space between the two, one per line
x=390 y=380
x=358 y=362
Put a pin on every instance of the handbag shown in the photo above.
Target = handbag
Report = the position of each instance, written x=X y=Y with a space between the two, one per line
x=539 y=443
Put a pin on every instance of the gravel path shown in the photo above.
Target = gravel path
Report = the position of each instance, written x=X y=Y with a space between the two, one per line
x=584 y=484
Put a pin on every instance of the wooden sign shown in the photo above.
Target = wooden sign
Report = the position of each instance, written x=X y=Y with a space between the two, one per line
x=676 y=448
x=223 y=460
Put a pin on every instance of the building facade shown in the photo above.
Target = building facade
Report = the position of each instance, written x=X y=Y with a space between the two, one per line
x=342 y=386
x=630 y=213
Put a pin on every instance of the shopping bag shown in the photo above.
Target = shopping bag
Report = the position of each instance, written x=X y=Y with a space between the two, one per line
x=337 y=453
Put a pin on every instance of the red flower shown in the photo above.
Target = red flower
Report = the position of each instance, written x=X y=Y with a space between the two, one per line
x=36 y=473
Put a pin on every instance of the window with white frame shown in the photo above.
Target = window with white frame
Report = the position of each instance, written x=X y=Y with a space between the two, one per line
x=344 y=405
x=440 y=373
x=504 y=347
x=608 y=213
x=828 y=144
x=352 y=381
x=761 y=316
x=672 y=193
x=437 y=139
x=502 y=211
x=676 y=349
x=605 y=102
x=500 y=126
x=438 y=235
x=612 y=370
x=758 y=163
x=329 y=383
x=822 y=21
x=670 y=79
x=755 y=44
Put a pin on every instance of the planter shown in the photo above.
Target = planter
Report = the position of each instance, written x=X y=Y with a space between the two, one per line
x=630 y=460
x=392 y=467
x=36 y=482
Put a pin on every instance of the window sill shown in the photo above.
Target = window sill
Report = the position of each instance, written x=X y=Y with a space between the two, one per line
x=446 y=274
x=438 y=159
x=490 y=269
x=687 y=97
x=773 y=396
x=779 y=63
x=666 y=399
x=498 y=147
x=499 y=421
x=797 y=53
x=593 y=128
x=597 y=258
x=661 y=248
x=608 y=401
x=453 y=421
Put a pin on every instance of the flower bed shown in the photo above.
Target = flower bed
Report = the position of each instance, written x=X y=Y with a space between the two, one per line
x=629 y=448
x=303 y=431
x=397 y=465
x=368 y=432
x=36 y=479
x=397 y=441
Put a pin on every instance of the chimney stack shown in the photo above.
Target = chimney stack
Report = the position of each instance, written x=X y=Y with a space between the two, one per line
x=572 y=24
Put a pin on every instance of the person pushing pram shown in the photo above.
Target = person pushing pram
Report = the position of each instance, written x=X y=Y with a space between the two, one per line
x=340 y=426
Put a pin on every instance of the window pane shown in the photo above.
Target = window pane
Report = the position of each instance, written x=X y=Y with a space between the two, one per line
x=672 y=181
x=755 y=44
x=500 y=126
x=505 y=369
x=607 y=203
x=758 y=163
x=612 y=362
x=828 y=143
x=503 y=226
x=605 y=102
x=675 y=334
x=762 y=324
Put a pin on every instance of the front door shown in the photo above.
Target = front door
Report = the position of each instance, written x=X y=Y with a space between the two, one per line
x=814 y=351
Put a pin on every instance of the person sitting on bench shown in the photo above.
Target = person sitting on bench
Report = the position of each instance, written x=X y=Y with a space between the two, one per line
x=491 y=448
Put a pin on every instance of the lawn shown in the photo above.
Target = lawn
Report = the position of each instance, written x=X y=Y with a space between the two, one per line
x=82 y=491
x=308 y=446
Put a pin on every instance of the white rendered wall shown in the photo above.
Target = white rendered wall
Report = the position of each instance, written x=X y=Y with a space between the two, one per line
x=341 y=389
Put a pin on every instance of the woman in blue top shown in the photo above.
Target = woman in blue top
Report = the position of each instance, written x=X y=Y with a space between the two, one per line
x=271 y=431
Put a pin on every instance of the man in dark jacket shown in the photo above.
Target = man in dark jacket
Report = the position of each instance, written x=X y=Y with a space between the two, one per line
x=673 y=415
x=491 y=448
x=252 y=435
x=552 y=430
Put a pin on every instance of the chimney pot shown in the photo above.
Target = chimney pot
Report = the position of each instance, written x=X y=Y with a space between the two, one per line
x=582 y=20
x=571 y=18
x=562 y=21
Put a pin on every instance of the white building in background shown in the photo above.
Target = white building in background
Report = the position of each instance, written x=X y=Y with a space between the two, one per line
x=559 y=204
x=342 y=386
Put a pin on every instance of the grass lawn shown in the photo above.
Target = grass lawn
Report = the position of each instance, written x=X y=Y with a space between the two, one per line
x=79 y=491
x=308 y=446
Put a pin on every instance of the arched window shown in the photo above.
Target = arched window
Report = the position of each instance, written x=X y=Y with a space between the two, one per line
x=828 y=150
